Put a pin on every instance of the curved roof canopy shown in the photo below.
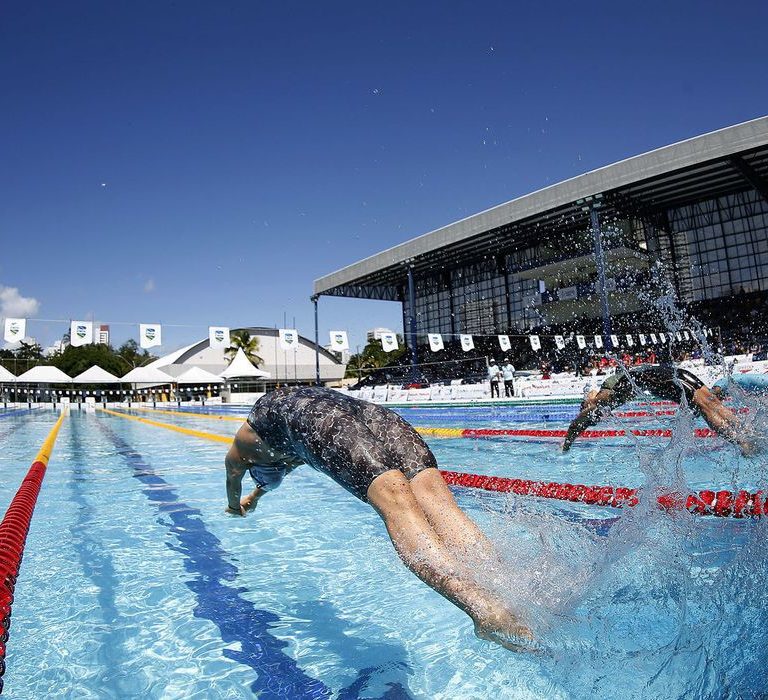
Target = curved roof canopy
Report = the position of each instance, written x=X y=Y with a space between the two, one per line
x=241 y=366
x=6 y=376
x=721 y=162
x=44 y=374
x=197 y=375
x=96 y=375
x=147 y=375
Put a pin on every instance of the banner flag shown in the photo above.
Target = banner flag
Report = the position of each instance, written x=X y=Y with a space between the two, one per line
x=504 y=343
x=535 y=342
x=559 y=342
x=80 y=333
x=218 y=337
x=642 y=338
x=389 y=342
x=598 y=341
x=581 y=342
x=150 y=334
x=678 y=336
x=615 y=341
x=467 y=343
x=339 y=341
x=686 y=336
x=435 y=342
x=289 y=338
x=653 y=338
x=630 y=342
x=15 y=329
x=662 y=338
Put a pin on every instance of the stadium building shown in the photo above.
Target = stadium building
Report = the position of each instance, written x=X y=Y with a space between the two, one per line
x=582 y=248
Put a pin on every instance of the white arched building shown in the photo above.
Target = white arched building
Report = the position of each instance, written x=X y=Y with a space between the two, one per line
x=284 y=366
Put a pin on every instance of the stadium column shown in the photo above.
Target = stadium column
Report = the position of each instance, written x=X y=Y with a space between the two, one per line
x=594 y=217
x=412 y=323
x=314 y=299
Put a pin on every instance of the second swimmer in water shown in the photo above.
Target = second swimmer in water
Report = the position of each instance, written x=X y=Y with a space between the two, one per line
x=668 y=383
x=373 y=453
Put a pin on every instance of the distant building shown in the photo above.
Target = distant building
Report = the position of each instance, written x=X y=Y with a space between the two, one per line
x=285 y=367
x=376 y=333
x=343 y=356
x=102 y=336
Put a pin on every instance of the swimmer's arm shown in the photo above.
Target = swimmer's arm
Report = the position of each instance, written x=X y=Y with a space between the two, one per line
x=590 y=415
x=236 y=469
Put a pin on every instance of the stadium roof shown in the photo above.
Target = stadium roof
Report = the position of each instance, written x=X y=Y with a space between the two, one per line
x=721 y=162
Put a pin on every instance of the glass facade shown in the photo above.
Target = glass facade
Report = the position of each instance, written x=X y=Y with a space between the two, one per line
x=726 y=241
x=714 y=248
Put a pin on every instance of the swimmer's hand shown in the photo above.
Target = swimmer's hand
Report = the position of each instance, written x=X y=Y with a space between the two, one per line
x=235 y=511
x=565 y=446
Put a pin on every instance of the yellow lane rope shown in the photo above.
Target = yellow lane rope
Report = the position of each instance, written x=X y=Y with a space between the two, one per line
x=189 y=413
x=176 y=428
x=431 y=432
x=47 y=447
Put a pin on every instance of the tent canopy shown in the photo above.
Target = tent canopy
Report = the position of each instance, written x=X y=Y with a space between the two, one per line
x=197 y=375
x=96 y=375
x=147 y=375
x=44 y=374
x=5 y=376
x=241 y=366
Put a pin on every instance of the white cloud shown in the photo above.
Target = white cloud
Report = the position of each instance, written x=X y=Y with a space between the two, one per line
x=149 y=285
x=13 y=305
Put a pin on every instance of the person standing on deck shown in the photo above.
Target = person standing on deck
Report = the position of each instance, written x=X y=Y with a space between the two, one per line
x=508 y=374
x=494 y=376
x=377 y=456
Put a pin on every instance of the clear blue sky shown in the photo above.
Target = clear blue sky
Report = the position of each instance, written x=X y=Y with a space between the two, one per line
x=201 y=163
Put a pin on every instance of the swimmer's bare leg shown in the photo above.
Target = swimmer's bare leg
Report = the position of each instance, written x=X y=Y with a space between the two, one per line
x=453 y=526
x=723 y=421
x=422 y=551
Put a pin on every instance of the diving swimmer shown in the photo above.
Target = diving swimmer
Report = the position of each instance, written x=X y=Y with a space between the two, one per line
x=379 y=458
x=668 y=383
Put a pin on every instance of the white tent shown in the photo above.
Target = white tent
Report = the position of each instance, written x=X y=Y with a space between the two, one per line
x=147 y=375
x=5 y=376
x=96 y=375
x=44 y=374
x=241 y=367
x=198 y=375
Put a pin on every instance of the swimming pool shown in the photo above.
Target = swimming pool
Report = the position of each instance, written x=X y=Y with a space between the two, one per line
x=135 y=584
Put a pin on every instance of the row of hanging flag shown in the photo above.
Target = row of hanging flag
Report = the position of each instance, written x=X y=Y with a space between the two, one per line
x=389 y=340
x=150 y=335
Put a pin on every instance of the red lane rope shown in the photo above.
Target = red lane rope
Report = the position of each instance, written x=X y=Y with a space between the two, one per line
x=722 y=504
x=593 y=434
x=13 y=536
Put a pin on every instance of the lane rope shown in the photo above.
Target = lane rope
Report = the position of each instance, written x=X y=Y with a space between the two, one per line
x=717 y=503
x=13 y=535
x=465 y=432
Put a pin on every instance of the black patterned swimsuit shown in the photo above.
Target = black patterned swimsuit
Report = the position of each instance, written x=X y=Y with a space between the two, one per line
x=352 y=441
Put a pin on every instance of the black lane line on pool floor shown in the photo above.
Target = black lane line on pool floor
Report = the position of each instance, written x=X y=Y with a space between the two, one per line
x=98 y=567
x=278 y=675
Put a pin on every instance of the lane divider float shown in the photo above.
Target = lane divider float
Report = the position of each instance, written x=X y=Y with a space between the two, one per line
x=717 y=503
x=13 y=535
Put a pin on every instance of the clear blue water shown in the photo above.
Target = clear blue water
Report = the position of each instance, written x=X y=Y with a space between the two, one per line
x=135 y=583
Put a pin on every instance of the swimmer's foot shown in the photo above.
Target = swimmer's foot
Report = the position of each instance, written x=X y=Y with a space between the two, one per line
x=507 y=632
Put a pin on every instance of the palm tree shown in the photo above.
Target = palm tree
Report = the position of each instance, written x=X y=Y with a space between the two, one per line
x=249 y=344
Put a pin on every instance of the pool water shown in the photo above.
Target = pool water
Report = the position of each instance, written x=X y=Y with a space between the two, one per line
x=135 y=584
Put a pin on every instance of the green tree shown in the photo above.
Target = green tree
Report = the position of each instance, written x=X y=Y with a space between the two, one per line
x=28 y=351
x=133 y=355
x=373 y=357
x=74 y=360
x=250 y=345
